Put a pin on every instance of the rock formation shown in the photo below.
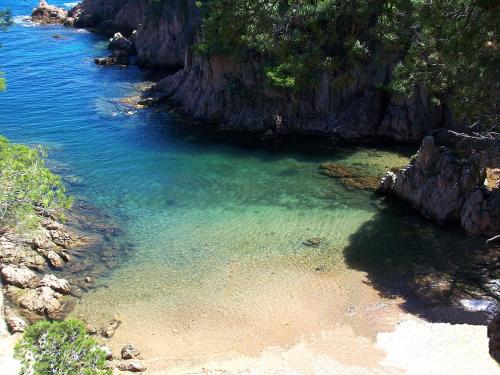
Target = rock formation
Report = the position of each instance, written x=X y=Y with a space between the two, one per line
x=449 y=187
x=48 y=14
x=219 y=90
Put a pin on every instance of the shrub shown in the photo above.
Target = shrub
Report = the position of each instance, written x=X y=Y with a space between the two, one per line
x=60 y=348
x=27 y=185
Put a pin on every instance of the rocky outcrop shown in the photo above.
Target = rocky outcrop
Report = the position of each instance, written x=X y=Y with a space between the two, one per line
x=449 y=187
x=48 y=14
x=235 y=94
x=109 y=16
x=118 y=57
x=44 y=269
x=119 y=43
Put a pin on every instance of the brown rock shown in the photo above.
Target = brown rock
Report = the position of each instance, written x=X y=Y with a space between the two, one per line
x=129 y=351
x=91 y=330
x=55 y=259
x=48 y=14
x=14 y=322
x=43 y=300
x=110 y=329
x=132 y=366
x=21 y=277
x=59 y=285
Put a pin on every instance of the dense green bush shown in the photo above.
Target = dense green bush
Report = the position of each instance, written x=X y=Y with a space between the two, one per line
x=27 y=185
x=449 y=47
x=60 y=348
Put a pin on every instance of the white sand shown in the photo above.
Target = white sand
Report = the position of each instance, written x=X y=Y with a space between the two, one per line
x=8 y=365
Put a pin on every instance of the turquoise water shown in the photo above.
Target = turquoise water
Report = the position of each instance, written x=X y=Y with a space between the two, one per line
x=200 y=212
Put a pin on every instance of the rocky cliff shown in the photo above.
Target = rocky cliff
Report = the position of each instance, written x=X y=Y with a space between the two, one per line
x=234 y=94
x=448 y=184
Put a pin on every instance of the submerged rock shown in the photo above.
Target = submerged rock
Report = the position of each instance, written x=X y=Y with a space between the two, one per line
x=349 y=178
x=335 y=170
x=48 y=14
x=109 y=331
x=312 y=242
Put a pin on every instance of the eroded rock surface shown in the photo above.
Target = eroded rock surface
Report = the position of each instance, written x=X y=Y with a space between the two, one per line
x=448 y=188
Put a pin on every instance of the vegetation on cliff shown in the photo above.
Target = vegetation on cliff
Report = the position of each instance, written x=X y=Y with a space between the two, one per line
x=27 y=185
x=60 y=348
x=450 y=48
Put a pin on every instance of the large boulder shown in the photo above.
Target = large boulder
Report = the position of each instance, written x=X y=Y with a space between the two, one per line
x=42 y=300
x=21 y=277
x=48 y=14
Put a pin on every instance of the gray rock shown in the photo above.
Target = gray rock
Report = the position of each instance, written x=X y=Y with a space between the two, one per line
x=494 y=336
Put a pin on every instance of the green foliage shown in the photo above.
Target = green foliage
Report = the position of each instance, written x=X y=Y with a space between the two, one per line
x=27 y=185
x=448 y=47
x=454 y=53
x=60 y=348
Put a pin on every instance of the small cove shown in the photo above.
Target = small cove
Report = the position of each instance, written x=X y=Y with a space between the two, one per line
x=219 y=267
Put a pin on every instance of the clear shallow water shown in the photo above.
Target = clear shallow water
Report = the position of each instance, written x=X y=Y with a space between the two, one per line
x=217 y=228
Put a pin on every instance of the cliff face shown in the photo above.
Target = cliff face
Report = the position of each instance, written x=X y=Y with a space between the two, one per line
x=165 y=33
x=235 y=95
